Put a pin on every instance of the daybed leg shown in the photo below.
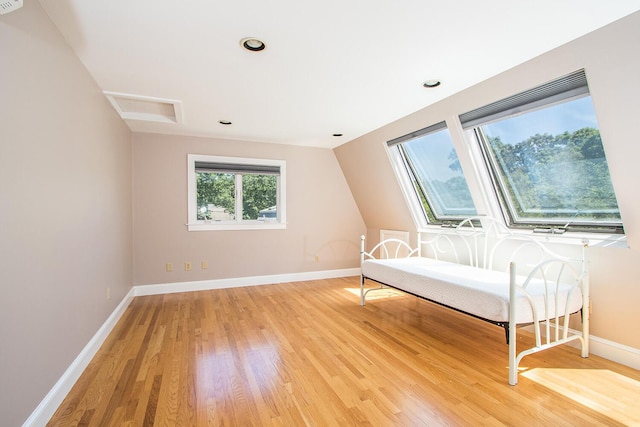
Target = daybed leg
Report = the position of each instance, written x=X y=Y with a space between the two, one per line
x=585 y=329
x=361 y=275
x=506 y=331
x=513 y=364
x=586 y=299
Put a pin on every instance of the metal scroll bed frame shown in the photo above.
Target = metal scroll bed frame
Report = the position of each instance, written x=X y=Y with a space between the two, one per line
x=492 y=246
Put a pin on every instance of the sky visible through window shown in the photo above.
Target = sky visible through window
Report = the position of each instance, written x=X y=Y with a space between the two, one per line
x=552 y=120
x=434 y=155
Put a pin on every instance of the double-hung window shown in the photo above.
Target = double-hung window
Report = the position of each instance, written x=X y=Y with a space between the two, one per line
x=431 y=175
x=227 y=193
x=545 y=158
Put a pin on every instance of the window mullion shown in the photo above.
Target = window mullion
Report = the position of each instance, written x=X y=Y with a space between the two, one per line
x=239 y=197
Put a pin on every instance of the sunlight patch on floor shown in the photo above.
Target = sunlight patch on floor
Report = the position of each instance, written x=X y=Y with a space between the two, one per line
x=376 y=294
x=611 y=394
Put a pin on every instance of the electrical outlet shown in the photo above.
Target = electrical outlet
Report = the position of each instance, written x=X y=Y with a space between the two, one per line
x=108 y=293
x=187 y=266
x=169 y=267
x=317 y=258
x=204 y=265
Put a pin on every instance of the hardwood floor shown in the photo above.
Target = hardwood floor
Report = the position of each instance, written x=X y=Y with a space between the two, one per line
x=307 y=353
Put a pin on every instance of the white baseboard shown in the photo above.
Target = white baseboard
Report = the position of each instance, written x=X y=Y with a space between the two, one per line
x=619 y=353
x=48 y=406
x=45 y=410
x=614 y=351
x=204 y=285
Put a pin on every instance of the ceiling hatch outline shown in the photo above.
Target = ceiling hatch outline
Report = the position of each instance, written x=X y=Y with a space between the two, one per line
x=146 y=108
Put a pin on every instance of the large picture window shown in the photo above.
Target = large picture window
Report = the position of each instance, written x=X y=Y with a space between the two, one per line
x=235 y=193
x=545 y=158
x=433 y=168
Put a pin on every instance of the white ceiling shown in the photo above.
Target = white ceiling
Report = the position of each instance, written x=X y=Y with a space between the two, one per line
x=330 y=66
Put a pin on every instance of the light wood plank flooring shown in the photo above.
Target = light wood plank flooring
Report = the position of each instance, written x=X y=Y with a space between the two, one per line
x=307 y=353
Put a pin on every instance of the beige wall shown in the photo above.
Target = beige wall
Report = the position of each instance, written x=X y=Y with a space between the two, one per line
x=323 y=220
x=65 y=216
x=612 y=67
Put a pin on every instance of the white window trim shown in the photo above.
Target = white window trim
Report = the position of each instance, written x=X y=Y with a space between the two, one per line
x=406 y=187
x=193 y=224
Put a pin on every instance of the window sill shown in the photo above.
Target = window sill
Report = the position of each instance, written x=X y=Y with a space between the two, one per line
x=577 y=238
x=568 y=238
x=218 y=226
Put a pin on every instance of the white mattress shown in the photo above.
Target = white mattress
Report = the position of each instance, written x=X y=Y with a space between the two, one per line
x=484 y=293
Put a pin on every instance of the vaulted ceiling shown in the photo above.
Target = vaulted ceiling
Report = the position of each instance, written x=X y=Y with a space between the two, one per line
x=329 y=67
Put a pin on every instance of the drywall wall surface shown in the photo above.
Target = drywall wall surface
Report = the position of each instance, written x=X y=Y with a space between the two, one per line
x=323 y=221
x=65 y=217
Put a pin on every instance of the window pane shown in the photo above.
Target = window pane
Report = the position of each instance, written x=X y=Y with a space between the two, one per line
x=216 y=196
x=551 y=166
x=438 y=176
x=259 y=196
x=236 y=193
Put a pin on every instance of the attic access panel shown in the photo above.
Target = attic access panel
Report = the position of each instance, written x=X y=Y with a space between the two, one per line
x=146 y=108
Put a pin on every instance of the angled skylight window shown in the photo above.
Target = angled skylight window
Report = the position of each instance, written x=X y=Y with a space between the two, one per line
x=433 y=174
x=545 y=156
x=146 y=108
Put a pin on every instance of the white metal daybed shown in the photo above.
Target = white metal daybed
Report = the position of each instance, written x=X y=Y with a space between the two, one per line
x=549 y=289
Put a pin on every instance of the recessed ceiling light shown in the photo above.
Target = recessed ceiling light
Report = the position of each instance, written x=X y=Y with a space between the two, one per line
x=431 y=83
x=252 y=44
x=224 y=122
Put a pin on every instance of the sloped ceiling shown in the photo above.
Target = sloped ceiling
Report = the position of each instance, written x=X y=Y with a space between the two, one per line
x=330 y=67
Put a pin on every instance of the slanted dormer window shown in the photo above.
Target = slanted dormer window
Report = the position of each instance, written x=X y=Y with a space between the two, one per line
x=546 y=160
x=438 y=187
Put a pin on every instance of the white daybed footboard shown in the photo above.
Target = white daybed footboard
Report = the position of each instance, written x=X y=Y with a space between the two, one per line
x=547 y=292
x=551 y=325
